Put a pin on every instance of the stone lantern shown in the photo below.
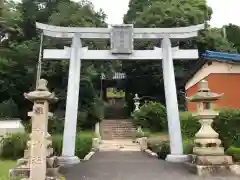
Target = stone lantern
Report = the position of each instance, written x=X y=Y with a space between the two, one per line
x=208 y=153
x=136 y=102
x=38 y=162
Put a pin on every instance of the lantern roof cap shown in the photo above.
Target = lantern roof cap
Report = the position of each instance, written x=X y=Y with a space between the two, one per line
x=204 y=94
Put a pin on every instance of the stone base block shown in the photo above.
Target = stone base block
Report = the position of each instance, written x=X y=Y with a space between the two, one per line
x=52 y=178
x=211 y=160
x=177 y=158
x=211 y=170
x=19 y=172
x=47 y=178
x=68 y=160
x=235 y=168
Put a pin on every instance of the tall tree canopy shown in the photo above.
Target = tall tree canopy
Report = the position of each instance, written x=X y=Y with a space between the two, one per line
x=167 y=14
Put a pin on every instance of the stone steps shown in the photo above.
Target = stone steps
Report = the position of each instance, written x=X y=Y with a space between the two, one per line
x=117 y=129
x=116 y=112
x=118 y=145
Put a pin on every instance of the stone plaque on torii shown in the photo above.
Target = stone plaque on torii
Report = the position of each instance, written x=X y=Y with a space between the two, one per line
x=122 y=37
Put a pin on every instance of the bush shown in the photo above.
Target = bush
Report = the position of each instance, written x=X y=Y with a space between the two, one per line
x=55 y=125
x=162 y=148
x=82 y=147
x=142 y=134
x=188 y=145
x=189 y=125
x=89 y=115
x=234 y=152
x=13 y=146
x=227 y=124
x=152 y=116
x=57 y=144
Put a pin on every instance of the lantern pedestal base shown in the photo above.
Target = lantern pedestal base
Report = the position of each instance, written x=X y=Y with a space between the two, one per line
x=212 y=165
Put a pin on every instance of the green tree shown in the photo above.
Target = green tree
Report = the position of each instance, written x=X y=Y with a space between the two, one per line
x=214 y=40
x=19 y=55
x=233 y=35
x=167 y=14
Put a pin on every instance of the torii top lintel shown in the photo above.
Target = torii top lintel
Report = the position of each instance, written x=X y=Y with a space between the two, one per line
x=105 y=33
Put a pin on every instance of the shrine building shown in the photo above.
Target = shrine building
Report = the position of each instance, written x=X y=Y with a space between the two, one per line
x=222 y=71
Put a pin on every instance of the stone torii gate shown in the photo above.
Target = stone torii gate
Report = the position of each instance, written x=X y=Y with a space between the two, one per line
x=121 y=37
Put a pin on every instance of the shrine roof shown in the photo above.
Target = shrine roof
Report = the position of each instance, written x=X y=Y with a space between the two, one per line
x=222 y=56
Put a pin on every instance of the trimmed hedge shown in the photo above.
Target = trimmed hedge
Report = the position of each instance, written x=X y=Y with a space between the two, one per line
x=234 y=152
x=227 y=124
x=13 y=146
x=189 y=125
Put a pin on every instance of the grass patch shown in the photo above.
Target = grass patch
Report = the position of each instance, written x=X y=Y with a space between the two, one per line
x=154 y=134
x=6 y=165
x=119 y=94
x=87 y=133
x=157 y=137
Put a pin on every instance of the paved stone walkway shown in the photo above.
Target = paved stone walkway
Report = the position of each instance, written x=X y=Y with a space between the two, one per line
x=120 y=165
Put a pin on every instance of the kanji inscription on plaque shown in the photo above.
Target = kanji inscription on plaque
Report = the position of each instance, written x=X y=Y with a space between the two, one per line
x=122 y=39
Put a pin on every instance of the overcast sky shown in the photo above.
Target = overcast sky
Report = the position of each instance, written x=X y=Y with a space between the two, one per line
x=224 y=11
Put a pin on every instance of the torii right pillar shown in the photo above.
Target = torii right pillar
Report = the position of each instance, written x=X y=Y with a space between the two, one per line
x=174 y=127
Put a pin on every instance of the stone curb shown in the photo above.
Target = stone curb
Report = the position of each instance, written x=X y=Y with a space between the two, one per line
x=143 y=146
x=89 y=156
x=149 y=152
x=95 y=148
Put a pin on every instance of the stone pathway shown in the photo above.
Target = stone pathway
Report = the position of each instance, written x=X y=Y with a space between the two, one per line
x=118 y=145
x=120 y=165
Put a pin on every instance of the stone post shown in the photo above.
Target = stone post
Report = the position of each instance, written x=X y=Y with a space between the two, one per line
x=70 y=126
x=38 y=143
x=174 y=128
x=97 y=130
